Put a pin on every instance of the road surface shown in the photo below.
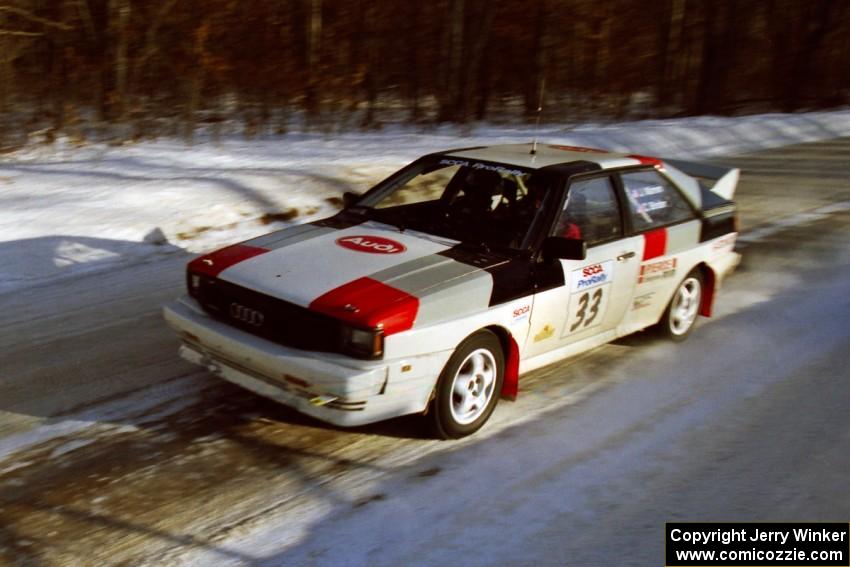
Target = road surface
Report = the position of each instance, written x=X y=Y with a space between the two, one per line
x=114 y=451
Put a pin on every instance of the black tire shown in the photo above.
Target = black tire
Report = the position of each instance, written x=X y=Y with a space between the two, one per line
x=454 y=415
x=681 y=314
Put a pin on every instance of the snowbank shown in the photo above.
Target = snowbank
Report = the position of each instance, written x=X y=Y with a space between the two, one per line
x=67 y=210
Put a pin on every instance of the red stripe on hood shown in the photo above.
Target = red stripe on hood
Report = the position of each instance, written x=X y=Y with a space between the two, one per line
x=654 y=243
x=214 y=263
x=369 y=303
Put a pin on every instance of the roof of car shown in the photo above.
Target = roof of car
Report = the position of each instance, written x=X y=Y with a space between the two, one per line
x=551 y=154
x=580 y=158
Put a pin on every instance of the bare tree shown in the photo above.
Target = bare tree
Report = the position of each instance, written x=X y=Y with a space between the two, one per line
x=314 y=46
x=19 y=29
x=119 y=18
x=452 y=60
x=671 y=62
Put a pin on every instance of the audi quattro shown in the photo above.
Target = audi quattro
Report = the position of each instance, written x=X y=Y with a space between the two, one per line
x=436 y=289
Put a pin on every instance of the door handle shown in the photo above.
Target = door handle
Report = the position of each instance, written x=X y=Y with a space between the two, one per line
x=625 y=256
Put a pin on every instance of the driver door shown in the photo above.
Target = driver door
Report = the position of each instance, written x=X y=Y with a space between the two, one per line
x=597 y=290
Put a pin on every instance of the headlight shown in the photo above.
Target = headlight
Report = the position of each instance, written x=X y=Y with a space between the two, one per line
x=362 y=343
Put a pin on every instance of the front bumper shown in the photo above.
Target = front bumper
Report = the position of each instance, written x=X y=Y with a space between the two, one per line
x=330 y=387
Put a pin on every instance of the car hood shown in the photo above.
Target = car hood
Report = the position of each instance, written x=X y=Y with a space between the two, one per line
x=359 y=273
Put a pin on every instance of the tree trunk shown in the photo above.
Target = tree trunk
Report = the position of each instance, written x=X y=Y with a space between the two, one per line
x=670 y=83
x=413 y=67
x=59 y=72
x=815 y=28
x=450 y=104
x=119 y=20
x=602 y=60
x=373 y=64
x=314 y=46
x=196 y=82
x=471 y=71
x=485 y=84
x=6 y=81
x=539 y=58
x=707 y=63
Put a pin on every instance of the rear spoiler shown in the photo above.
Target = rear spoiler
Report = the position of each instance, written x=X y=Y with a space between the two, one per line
x=721 y=180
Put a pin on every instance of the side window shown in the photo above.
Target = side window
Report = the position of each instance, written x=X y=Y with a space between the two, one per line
x=653 y=201
x=591 y=212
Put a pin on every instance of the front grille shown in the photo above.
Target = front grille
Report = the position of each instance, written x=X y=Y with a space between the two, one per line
x=268 y=317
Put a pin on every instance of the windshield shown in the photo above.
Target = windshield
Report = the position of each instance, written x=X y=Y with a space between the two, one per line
x=471 y=201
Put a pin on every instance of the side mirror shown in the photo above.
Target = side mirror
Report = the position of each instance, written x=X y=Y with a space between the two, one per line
x=564 y=248
x=349 y=198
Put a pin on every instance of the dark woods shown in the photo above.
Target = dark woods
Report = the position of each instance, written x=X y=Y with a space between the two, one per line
x=129 y=69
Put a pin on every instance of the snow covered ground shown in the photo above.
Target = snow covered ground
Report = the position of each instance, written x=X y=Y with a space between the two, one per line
x=66 y=210
x=112 y=450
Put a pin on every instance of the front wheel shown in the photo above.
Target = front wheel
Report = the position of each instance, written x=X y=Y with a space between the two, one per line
x=681 y=313
x=469 y=386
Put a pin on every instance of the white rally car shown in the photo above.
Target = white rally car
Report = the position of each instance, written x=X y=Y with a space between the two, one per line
x=435 y=290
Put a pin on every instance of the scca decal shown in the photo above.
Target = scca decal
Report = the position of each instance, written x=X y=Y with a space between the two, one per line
x=520 y=314
x=592 y=270
x=592 y=276
x=371 y=244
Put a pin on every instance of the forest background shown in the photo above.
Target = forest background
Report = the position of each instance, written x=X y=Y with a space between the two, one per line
x=122 y=70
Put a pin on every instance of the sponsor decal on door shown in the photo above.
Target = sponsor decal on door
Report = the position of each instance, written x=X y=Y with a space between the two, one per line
x=520 y=314
x=657 y=270
x=590 y=288
x=592 y=276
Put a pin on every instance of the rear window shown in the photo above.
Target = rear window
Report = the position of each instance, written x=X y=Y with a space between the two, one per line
x=653 y=201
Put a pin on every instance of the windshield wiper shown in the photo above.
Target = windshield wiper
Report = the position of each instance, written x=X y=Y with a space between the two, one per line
x=361 y=210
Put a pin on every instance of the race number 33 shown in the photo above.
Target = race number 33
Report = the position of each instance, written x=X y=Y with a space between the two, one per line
x=585 y=317
x=587 y=309
x=589 y=289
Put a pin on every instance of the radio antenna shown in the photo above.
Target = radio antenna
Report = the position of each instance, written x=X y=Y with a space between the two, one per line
x=537 y=120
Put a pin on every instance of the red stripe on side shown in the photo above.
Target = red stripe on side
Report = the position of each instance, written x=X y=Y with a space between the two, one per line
x=510 y=386
x=646 y=160
x=214 y=263
x=654 y=243
x=369 y=303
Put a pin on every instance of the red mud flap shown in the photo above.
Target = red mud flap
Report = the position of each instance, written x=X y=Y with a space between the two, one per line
x=510 y=386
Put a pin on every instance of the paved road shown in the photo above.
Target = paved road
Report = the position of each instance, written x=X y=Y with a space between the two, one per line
x=114 y=451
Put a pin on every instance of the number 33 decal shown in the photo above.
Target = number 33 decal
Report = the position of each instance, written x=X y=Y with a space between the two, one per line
x=584 y=316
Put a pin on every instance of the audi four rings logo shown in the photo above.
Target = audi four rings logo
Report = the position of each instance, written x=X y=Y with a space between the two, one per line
x=246 y=314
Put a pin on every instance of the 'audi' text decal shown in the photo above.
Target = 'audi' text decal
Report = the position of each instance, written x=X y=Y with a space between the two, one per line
x=371 y=244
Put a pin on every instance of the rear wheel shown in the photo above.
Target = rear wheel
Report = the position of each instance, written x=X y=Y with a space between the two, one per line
x=469 y=386
x=681 y=314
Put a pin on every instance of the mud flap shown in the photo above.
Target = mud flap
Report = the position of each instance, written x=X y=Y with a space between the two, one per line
x=510 y=385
